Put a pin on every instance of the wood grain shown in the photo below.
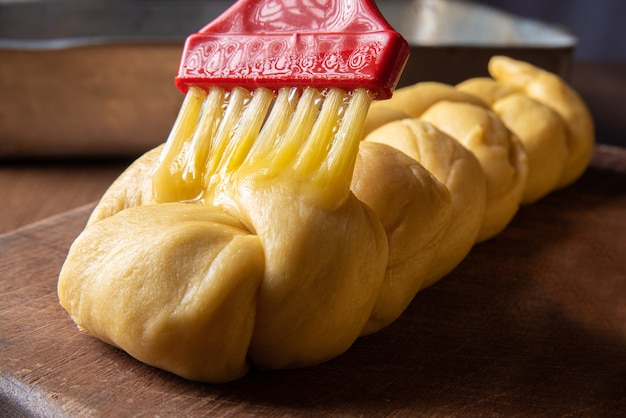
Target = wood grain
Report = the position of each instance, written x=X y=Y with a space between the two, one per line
x=532 y=323
x=34 y=190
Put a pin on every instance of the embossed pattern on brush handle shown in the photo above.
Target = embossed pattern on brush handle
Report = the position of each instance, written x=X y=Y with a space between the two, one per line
x=273 y=44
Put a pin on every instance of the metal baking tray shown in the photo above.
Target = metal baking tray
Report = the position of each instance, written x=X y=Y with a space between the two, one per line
x=452 y=40
x=92 y=77
x=95 y=77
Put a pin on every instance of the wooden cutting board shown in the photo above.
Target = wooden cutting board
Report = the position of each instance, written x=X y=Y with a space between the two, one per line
x=532 y=323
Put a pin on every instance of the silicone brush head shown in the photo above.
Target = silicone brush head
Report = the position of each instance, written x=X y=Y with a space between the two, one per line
x=345 y=44
x=279 y=86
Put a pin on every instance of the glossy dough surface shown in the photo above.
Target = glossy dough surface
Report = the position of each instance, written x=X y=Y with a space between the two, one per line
x=280 y=248
x=178 y=291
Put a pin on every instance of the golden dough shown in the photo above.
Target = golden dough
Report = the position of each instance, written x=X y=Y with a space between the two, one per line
x=544 y=138
x=540 y=129
x=323 y=270
x=416 y=99
x=317 y=255
x=412 y=101
x=414 y=209
x=133 y=187
x=380 y=115
x=269 y=233
x=454 y=166
x=552 y=91
x=174 y=285
x=501 y=156
x=487 y=89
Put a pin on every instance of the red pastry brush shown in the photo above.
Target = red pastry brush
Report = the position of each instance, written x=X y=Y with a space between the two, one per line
x=305 y=59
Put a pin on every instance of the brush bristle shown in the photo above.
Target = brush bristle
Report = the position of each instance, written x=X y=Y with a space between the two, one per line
x=310 y=137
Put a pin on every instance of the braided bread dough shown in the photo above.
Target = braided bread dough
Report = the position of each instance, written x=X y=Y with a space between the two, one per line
x=461 y=173
x=415 y=209
x=293 y=250
x=548 y=116
x=154 y=277
x=124 y=294
x=501 y=156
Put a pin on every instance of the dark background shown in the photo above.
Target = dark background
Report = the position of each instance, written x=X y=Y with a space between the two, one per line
x=598 y=24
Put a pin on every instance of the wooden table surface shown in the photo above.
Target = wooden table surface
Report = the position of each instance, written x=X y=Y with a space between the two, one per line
x=531 y=324
x=35 y=190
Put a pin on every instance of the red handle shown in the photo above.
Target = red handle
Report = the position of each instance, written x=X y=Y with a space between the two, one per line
x=288 y=16
x=278 y=43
